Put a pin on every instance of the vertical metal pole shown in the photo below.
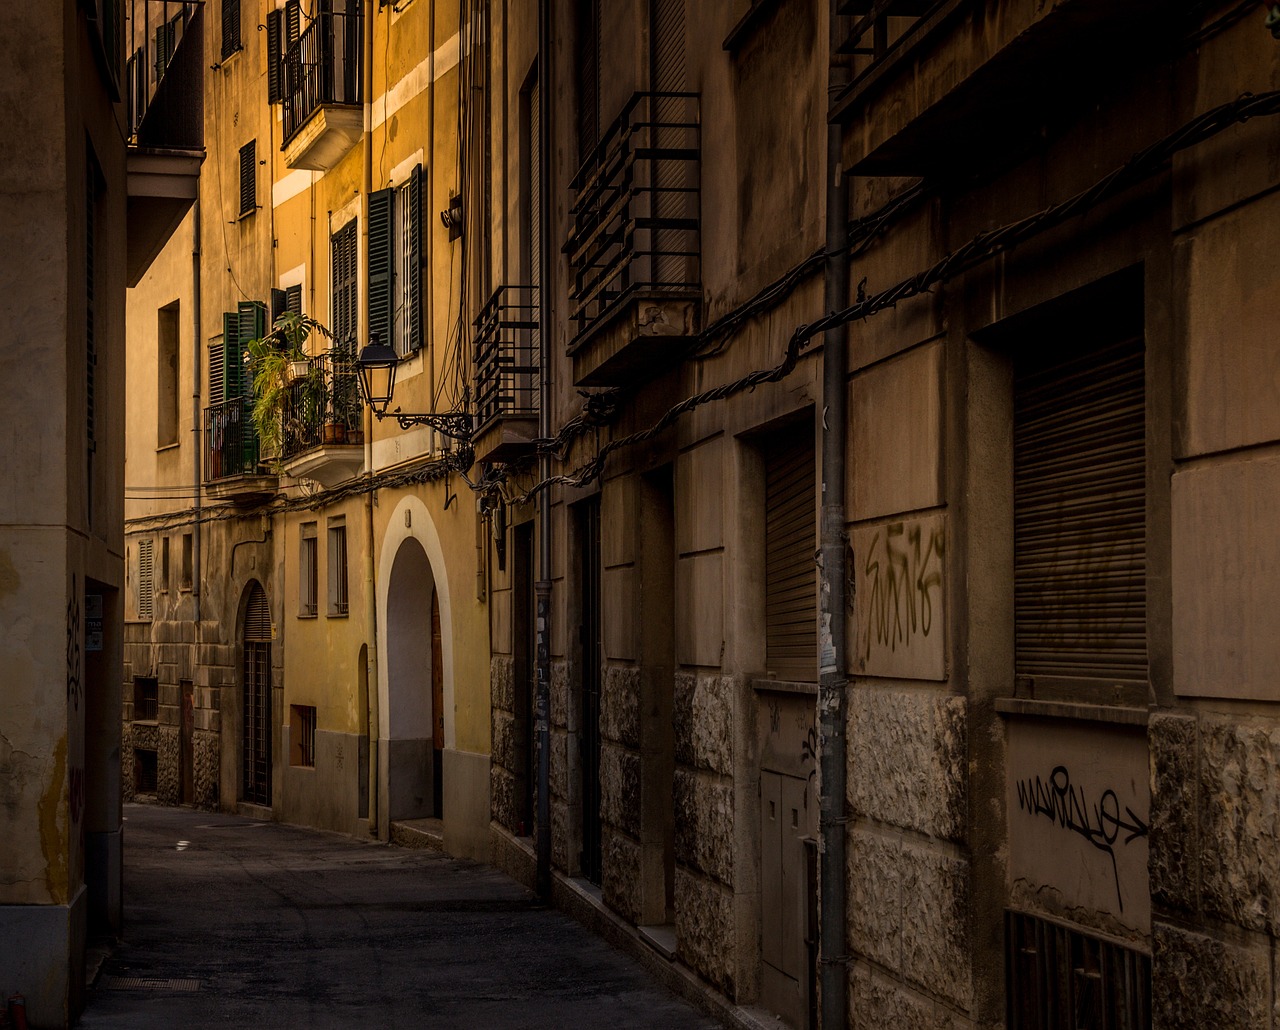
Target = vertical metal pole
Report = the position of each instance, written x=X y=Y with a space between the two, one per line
x=197 y=425
x=832 y=681
x=542 y=587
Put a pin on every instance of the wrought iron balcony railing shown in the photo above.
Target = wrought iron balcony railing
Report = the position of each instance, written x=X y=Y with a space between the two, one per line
x=881 y=29
x=322 y=66
x=323 y=407
x=636 y=209
x=157 y=29
x=507 y=356
x=231 y=441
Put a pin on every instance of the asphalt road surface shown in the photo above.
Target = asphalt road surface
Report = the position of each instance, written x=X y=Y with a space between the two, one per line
x=236 y=923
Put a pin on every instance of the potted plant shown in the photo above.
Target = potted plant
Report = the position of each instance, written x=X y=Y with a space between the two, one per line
x=274 y=362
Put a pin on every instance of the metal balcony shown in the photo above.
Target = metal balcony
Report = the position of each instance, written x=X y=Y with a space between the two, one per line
x=323 y=431
x=323 y=117
x=636 y=237
x=232 y=460
x=506 y=355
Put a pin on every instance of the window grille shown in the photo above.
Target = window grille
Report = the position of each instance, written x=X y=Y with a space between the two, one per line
x=146 y=699
x=302 y=736
x=307 y=572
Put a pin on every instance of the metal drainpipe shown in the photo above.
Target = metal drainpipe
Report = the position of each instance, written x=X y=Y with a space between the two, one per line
x=196 y=425
x=832 y=680
x=542 y=587
x=370 y=584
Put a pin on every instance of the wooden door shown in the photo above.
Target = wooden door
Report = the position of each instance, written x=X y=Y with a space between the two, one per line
x=437 y=708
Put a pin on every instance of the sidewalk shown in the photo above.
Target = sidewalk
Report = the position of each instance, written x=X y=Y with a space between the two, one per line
x=232 y=922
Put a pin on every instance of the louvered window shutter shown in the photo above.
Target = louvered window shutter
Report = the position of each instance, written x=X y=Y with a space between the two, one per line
x=251 y=317
x=381 y=265
x=230 y=27
x=275 y=59
x=292 y=22
x=249 y=177
x=257 y=616
x=217 y=372
x=293 y=299
x=233 y=374
x=1079 y=495
x=146 y=579
x=790 y=539
x=279 y=304
x=588 y=75
x=413 y=317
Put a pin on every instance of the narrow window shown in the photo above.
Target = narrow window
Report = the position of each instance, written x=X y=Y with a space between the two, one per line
x=790 y=539
x=230 y=28
x=167 y=392
x=249 y=178
x=164 y=563
x=1079 y=495
x=407 y=275
x=337 y=567
x=302 y=736
x=381 y=266
x=144 y=770
x=307 y=572
x=146 y=579
x=146 y=699
x=185 y=582
x=275 y=56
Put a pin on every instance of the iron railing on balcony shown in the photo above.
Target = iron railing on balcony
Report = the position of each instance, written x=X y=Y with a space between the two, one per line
x=322 y=66
x=883 y=28
x=507 y=356
x=156 y=29
x=636 y=209
x=323 y=407
x=232 y=442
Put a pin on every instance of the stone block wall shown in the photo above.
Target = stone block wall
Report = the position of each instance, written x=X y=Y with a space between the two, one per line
x=566 y=776
x=1214 y=865
x=620 y=789
x=704 y=825
x=908 y=877
x=504 y=805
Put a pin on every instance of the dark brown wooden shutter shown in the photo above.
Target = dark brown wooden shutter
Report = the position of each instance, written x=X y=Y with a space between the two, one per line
x=249 y=177
x=257 y=616
x=275 y=56
x=1080 y=516
x=587 y=68
x=790 y=574
x=230 y=27
x=381 y=265
x=413 y=300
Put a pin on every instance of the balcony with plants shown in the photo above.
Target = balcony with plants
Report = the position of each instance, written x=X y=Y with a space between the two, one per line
x=507 y=374
x=321 y=84
x=306 y=409
x=635 y=293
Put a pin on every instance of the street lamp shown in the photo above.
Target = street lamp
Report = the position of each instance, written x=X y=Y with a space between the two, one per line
x=377 y=364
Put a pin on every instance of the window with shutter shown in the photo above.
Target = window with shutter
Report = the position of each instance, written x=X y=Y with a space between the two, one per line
x=338 y=602
x=407 y=275
x=251 y=319
x=232 y=365
x=307 y=572
x=146 y=579
x=1079 y=494
x=790 y=540
x=381 y=265
x=587 y=68
x=249 y=178
x=343 y=258
x=230 y=28
x=275 y=56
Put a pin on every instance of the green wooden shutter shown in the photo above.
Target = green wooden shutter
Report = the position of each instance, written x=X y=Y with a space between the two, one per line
x=413 y=317
x=275 y=27
x=279 y=304
x=293 y=299
x=232 y=363
x=381 y=265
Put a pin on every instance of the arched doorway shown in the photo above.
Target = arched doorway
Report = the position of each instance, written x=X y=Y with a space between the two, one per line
x=415 y=682
x=255 y=785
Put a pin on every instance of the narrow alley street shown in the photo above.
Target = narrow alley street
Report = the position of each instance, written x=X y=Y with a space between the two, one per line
x=231 y=922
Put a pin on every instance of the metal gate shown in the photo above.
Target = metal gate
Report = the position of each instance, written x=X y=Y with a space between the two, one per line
x=256 y=742
x=591 y=660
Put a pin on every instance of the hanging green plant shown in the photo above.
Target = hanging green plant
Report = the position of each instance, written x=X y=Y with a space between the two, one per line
x=277 y=362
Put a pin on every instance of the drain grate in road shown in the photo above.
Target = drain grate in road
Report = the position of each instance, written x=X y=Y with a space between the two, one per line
x=149 y=983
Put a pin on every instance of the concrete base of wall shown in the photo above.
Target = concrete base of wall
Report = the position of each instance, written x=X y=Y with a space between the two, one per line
x=104 y=873
x=466 y=804
x=326 y=795
x=45 y=963
x=582 y=901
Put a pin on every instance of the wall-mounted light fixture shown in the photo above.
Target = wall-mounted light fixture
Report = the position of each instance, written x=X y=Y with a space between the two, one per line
x=377 y=364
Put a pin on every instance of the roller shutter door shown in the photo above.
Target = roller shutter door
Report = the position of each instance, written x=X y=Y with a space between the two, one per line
x=1080 y=516
x=790 y=534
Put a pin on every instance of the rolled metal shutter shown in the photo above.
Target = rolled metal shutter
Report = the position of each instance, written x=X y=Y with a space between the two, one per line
x=790 y=540
x=1080 y=516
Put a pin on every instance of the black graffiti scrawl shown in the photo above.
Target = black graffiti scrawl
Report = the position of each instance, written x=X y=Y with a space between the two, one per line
x=1101 y=823
x=74 y=686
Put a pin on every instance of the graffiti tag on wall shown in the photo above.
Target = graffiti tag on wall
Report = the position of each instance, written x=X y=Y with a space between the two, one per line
x=899 y=600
